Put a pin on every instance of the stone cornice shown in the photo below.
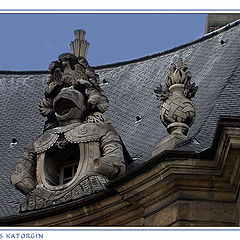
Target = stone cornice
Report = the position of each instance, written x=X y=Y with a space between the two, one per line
x=171 y=189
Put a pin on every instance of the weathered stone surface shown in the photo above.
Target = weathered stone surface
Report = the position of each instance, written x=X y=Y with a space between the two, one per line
x=217 y=20
x=177 y=111
x=177 y=106
x=79 y=46
x=168 y=143
x=79 y=150
x=195 y=213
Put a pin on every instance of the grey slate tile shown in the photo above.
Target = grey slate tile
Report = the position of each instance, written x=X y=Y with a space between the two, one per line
x=215 y=69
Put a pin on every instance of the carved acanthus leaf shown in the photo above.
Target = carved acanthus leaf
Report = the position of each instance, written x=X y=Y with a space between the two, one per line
x=46 y=107
x=177 y=74
x=162 y=95
x=190 y=90
x=52 y=89
x=97 y=100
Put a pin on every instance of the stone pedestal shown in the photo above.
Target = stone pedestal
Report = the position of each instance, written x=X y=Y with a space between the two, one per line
x=168 y=143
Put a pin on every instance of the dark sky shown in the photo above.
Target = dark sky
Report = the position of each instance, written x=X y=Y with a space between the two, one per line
x=32 y=41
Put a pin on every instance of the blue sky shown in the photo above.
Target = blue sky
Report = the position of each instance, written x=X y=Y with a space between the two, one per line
x=32 y=41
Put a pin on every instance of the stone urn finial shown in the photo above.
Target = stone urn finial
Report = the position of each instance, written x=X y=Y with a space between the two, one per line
x=79 y=46
x=177 y=111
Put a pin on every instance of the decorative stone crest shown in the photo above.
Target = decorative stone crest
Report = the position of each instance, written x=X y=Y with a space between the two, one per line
x=177 y=111
x=79 y=150
x=79 y=46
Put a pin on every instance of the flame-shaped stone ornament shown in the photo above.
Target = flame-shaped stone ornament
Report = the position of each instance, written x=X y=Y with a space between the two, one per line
x=177 y=112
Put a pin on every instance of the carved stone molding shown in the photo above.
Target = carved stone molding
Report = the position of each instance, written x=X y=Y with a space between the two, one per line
x=173 y=189
x=42 y=197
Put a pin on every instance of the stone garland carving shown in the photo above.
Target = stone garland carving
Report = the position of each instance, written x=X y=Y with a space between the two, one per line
x=75 y=132
x=177 y=111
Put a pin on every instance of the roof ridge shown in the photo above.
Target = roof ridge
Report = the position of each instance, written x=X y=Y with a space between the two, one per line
x=140 y=59
x=31 y=72
x=204 y=37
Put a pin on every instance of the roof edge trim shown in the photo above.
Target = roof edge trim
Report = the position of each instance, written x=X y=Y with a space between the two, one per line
x=204 y=37
x=208 y=153
x=10 y=72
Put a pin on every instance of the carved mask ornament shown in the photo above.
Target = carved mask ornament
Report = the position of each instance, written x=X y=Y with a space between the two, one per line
x=79 y=150
x=69 y=106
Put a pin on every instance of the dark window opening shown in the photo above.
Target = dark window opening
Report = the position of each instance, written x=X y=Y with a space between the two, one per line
x=61 y=164
x=68 y=173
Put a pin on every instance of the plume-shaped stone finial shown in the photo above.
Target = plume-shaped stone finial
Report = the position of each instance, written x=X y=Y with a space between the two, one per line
x=79 y=46
x=177 y=108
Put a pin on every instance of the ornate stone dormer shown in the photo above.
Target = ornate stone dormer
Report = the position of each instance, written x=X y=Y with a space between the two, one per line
x=79 y=150
x=177 y=112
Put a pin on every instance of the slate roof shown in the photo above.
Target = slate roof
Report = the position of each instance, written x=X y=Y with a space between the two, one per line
x=215 y=69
